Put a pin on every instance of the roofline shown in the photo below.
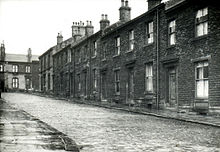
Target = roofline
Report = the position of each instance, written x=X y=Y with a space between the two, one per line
x=135 y=19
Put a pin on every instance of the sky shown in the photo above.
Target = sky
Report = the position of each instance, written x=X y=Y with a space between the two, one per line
x=35 y=23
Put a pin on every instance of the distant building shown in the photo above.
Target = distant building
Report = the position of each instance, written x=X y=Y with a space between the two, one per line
x=18 y=71
x=166 y=58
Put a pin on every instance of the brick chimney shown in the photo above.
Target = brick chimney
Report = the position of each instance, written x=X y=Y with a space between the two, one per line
x=2 y=52
x=104 y=22
x=89 y=28
x=124 y=11
x=59 y=38
x=153 y=3
x=29 y=55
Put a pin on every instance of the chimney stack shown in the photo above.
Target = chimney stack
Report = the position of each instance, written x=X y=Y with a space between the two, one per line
x=2 y=52
x=124 y=11
x=104 y=22
x=59 y=38
x=29 y=55
x=89 y=28
x=153 y=3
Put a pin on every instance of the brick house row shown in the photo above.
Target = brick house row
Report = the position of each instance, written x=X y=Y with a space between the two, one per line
x=18 y=72
x=168 y=57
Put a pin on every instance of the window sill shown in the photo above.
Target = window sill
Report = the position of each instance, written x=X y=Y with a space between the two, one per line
x=93 y=57
x=129 y=51
x=116 y=55
x=171 y=46
x=148 y=92
x=148 y=44
x=103 y=60
x=197 y=38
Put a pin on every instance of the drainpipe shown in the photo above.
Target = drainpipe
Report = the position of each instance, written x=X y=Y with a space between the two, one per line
x=157 y=48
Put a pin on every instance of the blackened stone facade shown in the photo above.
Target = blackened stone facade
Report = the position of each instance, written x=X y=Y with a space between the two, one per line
x=166 y=58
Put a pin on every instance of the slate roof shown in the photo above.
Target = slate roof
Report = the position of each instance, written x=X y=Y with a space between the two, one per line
x=19 y=57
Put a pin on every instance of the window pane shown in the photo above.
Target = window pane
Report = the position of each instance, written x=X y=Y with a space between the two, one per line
x=172 y=39
x=205 y=11
x=206 y=72
x=205 y=26
x=200 y=88
x=199 y=29
x=206 y=88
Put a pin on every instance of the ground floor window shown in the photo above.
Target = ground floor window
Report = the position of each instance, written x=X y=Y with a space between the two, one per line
x=15 y=82
x=202 y=81
x=149 y=77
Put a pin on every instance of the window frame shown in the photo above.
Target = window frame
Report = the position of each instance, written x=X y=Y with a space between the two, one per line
x=150 y=32
x=15 y=83
x=1 y=68
x=94 y=76
x=149 y=77
x=201 y=65
x=94 y=50
x=117 y=46
x=15 y=68
x=28 y=69
x=201 y=21
x=131 y=40
x=172 y=32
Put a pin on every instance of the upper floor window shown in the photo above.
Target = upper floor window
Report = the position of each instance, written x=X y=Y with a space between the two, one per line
x=117 y=46
x=150 y=32
x=172 y=32
x=149 y=77
x=14 y=68
x=131 y=40
x=78 y=56
x=15 y=82
x=202 y=22
x=202 y=81
x=1 y=68
x=94 y=50
x=48 y=61
x=28 y=69
x=104 y=50
x=85 y=52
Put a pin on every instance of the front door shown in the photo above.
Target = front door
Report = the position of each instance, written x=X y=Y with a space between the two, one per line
x=130 y=85
x=172 y=87
x=85 y=83
x=103 y=87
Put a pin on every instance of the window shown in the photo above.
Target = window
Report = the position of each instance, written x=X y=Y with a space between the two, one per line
x=117 y=82
x=131 y=40
x=172 y=32
x=28 y=69
x=149 y=77
x=15 y=82
x=150 y=32
x=78 y=56
x=104 y=51
x=94 y=50
x=79 y=82
x=48 y=61
x=202 y=22
x=28 y=84
x=94 y=79
x=1 y=68
x=117 y=46
x=202 y=82
x=85 y=52
x=14 y=68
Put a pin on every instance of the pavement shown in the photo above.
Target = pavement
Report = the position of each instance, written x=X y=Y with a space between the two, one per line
x=187 y=116
x=22 y=132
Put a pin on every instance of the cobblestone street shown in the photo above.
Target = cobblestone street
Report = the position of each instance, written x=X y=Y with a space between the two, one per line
x=106 y=130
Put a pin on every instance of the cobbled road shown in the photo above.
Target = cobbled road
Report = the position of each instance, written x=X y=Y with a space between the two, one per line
x=105 y=130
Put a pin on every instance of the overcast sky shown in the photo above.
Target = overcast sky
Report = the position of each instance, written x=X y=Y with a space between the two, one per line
x=35 y=23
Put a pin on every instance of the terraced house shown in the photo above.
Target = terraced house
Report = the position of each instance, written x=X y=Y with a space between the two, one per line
x=168 y=57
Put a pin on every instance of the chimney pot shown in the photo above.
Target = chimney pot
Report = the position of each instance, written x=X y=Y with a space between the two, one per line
x=102 y=16
x=122 y=3
x=126 y=3
x=106 y=16
x=91 y=23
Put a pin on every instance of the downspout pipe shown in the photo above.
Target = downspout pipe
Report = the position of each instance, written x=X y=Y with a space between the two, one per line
x=157 y=50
